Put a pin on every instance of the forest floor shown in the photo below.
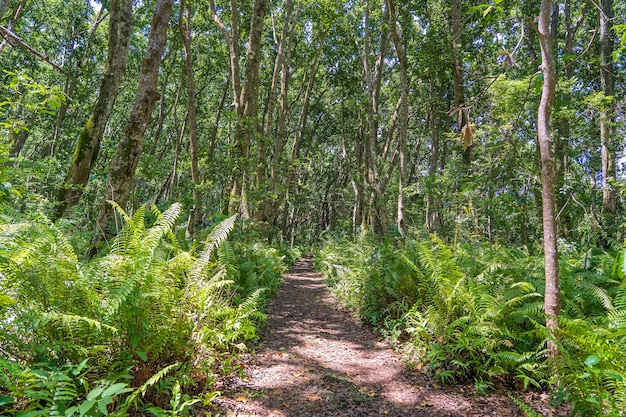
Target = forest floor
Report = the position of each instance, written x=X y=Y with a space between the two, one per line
x=315 y=359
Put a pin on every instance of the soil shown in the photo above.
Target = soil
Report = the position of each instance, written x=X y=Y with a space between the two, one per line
x=316 y=360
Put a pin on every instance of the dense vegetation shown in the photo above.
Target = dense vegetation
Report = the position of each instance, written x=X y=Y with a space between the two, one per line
x=457 y=162
x=475 y=313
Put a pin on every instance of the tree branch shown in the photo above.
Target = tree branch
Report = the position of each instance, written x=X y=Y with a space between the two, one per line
x=12 y=37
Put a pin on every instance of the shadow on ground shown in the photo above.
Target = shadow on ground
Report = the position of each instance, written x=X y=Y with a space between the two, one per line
x=316 y=360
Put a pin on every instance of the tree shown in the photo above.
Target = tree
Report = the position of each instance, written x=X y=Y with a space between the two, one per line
x=124 y=164
x=607 y=140
x=184 y=26
x=88 y=145
x=552 y=294
x=404 y=112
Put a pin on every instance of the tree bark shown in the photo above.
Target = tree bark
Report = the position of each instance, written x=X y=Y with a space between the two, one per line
x=245 y=97
x=4 y=6
x=607 y=81
x=456 y=26
x=185 y=33
x=404 y=113
x=552 y=293
x=124 y=164
x=88 y=145
x=373 y=77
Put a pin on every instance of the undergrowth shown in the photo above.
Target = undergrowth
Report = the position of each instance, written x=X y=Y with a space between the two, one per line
x=146 y=328
x=475 y=313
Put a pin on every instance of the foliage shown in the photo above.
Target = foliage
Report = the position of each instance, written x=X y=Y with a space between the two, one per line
x=77 y=336
x=474 y=312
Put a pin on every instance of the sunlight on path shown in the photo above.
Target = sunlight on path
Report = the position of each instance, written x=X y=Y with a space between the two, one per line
x=316 y=360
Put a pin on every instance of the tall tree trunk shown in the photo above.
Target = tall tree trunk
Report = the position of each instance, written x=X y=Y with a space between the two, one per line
x=266 y=209
x=246 y=97
x=609 y=196
x=552 y=296
x=373 y=78
x=456 y=26
x=124 y=164
x=404 y=112
x=248 y=123
x=88 y=145
x=72 y=76
x=184 y=26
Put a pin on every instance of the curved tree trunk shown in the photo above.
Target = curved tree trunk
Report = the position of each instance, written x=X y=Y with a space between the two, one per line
x=124 y=164
x=88 y=145
x=552 y=296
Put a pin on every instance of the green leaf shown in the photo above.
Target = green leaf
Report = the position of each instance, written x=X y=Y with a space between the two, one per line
x=614 y=376
x=95 y=393
x=5 y=400
x=102 y=405
x=85 y=407
x=592 y=360
x=116 y=389
x=70 y=411
x=44 y=412
x=142 y=355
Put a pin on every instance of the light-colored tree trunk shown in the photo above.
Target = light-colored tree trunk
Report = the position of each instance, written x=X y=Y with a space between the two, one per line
x=88 y=145
x=373 y=78
x=552 y=295
x=245 y=96
x=184 y=27
x=266 y=210
x=125 y=161
x=4 y=7
x=404 y=112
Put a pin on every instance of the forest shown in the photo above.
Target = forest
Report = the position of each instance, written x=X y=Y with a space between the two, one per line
x=454 y=167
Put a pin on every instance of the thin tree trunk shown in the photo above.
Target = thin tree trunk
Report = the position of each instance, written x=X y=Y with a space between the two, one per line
x=248 y=122
x=373 y=78
x=4 y=6
x=266 y=205
x=72 y=76
x=185 y=33
x=456 y=26
x=404 y=113
x=216 y=123
x=124 y=164
x=609 y=195
x=88 y=145
x=552 y=295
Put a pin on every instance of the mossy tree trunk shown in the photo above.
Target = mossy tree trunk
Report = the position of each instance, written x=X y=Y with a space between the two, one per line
x=607 y=132
x=124 y=164
x=88 y=145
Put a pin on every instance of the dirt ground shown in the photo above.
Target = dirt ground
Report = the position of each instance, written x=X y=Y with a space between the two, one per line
x=316 y=360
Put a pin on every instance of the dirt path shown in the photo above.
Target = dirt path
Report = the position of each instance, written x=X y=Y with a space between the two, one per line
x=316 y=360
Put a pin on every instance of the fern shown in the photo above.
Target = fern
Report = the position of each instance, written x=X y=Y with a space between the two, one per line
x=215 y=238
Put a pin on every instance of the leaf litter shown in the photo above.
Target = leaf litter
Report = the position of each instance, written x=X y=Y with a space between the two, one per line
x=315 y=359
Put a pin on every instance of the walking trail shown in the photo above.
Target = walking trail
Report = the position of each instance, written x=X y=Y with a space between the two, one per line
x=317 y=360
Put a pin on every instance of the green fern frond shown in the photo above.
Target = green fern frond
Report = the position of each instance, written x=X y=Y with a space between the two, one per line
x=133 y=399
x=163 y=225
x=71 y=320
x=215 y=238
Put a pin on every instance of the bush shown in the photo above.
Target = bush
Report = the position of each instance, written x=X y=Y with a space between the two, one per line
x=475 y=313
x=138 y=325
